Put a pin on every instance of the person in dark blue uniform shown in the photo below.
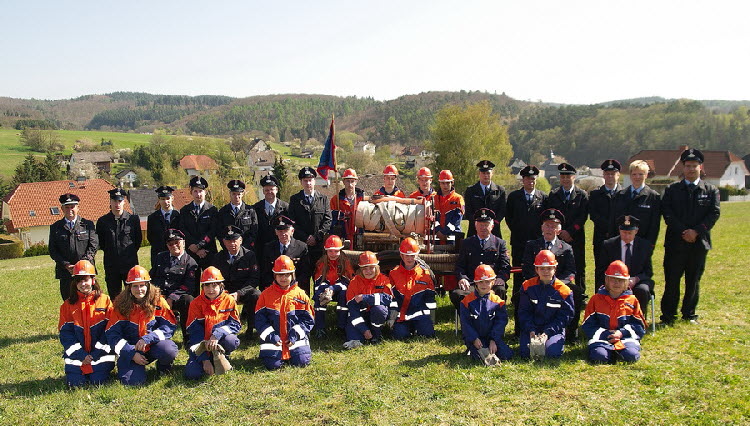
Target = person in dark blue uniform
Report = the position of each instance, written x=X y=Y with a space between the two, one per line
x=267 y=209
x=482 y=248
x=573 y=203
x=522 y=212
x=691 y=209
x=71 y=239
x=640 y=201
x=157 y=223
x=552 y=224
x=120 y=238
x=197 y=223
x=635 y=252
x=239 y=267
x=237 y=213
x=287 y=245
x=176 y=275
x=485 y=194
x=600 y=212
x=311 y=212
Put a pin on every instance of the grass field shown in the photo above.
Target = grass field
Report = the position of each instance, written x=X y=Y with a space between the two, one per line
x=689 y=374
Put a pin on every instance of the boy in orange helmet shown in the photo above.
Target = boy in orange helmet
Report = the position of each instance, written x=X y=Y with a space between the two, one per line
x=413 y=295
x=368 y=297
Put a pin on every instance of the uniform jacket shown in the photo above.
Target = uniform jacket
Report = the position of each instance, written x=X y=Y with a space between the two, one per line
x=82 y=327
x=314 y=219
x=418 y=194
x=494 y=200
x=120 y=244
x=396 y=192
x=179 y=279
x=483 y=317
x=156 y=227
x=332 y=275
x=265 y=228
x=522 y=218
x=246 y=219
x=342 y=213
x=449 y=211
x=123 y=333
x=685 y=209
x=242 y=275
x=297 y=251
x=376 y=292
x=284 y=316
x=545 y=308
x=413 y=292
x=646 y=207
x=603 y=313
x=600 y=211
x=68 y=247
x=211 y=318
x=566 y=264
x=640 y=265
x=199 y=228
x=575 y=209
x=472 y=255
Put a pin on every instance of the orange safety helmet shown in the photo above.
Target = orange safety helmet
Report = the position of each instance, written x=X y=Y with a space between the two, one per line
x=137 y=274
x=545 y=258
x=409 y=246
x=424 y=172
x=333 y=242
x=283 y=265
x=368 y=258
x=390 y=170
x=83 y=267
x=350 y=174
x=211 y=274
x=484 y=272
x=617 y=269
x=445 y=176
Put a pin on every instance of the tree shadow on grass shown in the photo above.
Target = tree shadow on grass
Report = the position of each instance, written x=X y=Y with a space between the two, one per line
x=35 y=338
x=36 y=387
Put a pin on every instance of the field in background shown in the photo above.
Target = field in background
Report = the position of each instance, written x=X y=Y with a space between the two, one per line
x=688 y=374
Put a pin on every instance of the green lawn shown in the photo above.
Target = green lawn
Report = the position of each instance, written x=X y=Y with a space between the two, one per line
x=688 y=374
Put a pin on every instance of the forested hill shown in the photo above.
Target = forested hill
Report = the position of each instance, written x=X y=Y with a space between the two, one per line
x=583 y=134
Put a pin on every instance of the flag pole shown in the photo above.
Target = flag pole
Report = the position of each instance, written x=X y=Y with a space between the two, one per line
x=335 y=163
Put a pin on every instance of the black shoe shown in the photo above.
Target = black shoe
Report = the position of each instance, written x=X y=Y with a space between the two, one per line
x=374 y=341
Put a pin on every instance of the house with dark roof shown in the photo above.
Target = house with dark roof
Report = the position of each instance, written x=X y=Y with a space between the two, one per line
x=196 y=165
x=30 y=208
x=144 y=201
x=261 y=162
x=721 y=168
x=126 y=177
x=101 y=159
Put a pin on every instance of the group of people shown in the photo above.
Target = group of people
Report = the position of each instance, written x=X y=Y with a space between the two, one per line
x=271 y=251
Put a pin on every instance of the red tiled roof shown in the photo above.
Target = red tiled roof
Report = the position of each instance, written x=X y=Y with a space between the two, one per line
x=40 y=197
x=667 y=162
x=198 y=162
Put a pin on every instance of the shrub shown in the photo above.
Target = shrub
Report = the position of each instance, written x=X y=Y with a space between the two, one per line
x=726 y=191
x=10 y=247
x=36 y=249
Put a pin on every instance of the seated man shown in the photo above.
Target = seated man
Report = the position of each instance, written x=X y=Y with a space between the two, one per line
x=287 y=245
x=552 y=223
x=176 y=275
x=239 y=267
x=482 y=248
x=545 y=309
x=635 y=252
x=614 y=323
x=484 y=317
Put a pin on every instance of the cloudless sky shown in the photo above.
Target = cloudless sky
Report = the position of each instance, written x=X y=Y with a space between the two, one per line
x=555 y=51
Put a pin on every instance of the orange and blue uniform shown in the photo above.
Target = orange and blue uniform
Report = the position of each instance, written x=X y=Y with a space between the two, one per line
x=284 y=319
x=603 y=314
x=545 y=308
x=395 y=193
x=342 y=213
x=124 y=332
x=82 y=326
x=418 y=194
x=208 y=319
x=371 y=313
x=337 y=283
x=413 y=299
x=449 y=211
x=484 y=318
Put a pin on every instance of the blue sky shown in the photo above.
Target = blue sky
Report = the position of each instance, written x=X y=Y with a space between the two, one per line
x=555 y=51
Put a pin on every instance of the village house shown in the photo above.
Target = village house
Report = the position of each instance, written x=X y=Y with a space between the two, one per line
x=101 y=159
x=196 y=165
x=367 y=147
x=126 y=177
